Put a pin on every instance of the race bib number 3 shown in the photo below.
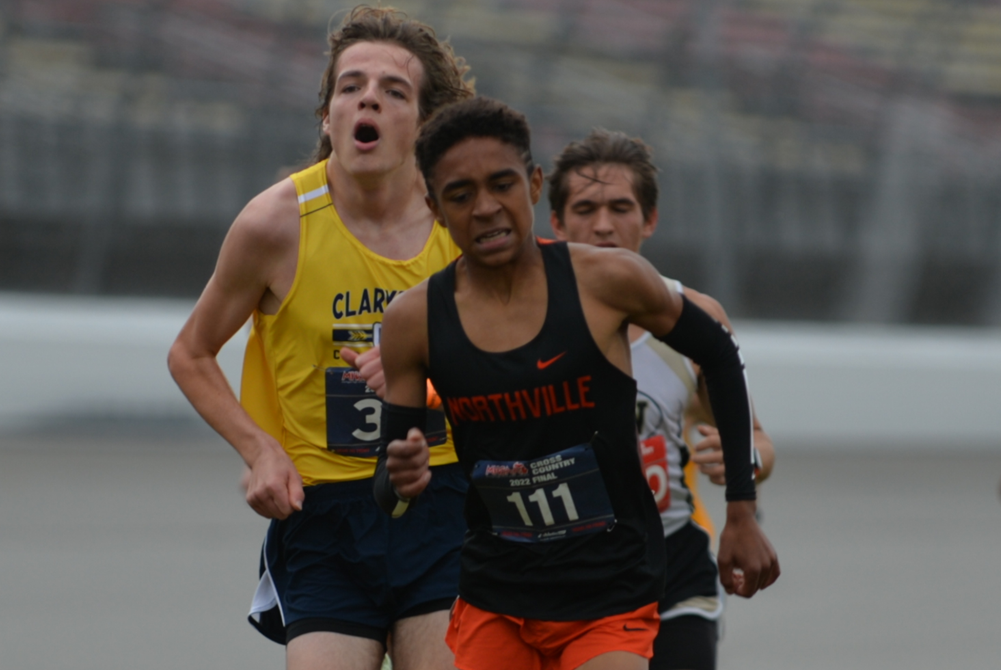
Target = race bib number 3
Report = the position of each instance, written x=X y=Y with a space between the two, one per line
x=550 y=498
x=354 y=416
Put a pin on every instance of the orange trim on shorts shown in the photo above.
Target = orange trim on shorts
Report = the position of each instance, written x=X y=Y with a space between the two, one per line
x=482 y=640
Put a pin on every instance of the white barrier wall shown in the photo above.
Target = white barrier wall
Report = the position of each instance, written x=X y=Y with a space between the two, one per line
x=66 y=357
x=841 y=385
x=813 y=385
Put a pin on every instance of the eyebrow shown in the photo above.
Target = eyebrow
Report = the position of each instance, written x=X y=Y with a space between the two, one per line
x=613 y=201
x=461 y=183
x=389 y=78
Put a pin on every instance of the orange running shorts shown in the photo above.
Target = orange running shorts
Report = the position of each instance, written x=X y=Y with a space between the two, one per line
x=483 y=640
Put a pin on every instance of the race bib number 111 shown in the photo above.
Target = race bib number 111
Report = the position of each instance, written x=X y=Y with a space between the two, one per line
x=555 y=497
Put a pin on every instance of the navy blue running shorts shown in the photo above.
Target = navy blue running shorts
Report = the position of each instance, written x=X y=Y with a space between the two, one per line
x=691 y=567
x=685 y=643
x=691 y=605
x=343 y=565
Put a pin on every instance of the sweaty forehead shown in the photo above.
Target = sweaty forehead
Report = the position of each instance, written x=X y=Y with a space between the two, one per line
x=601 y=183
x=377 y=59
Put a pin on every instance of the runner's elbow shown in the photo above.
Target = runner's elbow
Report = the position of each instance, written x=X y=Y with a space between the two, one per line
x=181 y=360
x=175 y=359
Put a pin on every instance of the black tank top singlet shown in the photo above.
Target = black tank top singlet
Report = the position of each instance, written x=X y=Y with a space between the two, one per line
x=562 y=523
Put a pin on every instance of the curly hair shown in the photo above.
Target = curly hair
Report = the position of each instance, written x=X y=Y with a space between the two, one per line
x=444 y=73
x=603 y=147
x=478 y=117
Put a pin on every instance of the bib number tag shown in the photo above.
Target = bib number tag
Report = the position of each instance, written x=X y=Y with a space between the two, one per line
x=550 y=498
x=655 y=467
x=354 y=416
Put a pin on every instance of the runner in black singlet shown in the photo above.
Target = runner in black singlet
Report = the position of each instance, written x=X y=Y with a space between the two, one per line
x=546 y=434
x=528 y=350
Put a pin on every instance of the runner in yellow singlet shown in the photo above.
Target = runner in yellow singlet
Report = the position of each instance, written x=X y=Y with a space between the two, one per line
x=315 y=260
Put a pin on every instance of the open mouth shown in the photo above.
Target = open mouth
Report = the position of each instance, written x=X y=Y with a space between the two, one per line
x=366 y=134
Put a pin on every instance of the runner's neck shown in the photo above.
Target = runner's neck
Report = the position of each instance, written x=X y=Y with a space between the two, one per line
x=377 y=199
x=386 y=213
x=502 y=283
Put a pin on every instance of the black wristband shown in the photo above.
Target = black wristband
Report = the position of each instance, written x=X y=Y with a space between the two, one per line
x=396 y=423
x=707 y=342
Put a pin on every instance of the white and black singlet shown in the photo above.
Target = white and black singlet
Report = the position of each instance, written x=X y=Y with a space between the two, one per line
x=666 y=385
x=560 y=516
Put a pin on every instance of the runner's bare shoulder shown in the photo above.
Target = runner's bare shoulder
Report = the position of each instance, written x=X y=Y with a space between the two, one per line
x=271 y=218
x=261 y=247
x=616 y=277
x=709 y=305
x=405 y=326
x=408 y=309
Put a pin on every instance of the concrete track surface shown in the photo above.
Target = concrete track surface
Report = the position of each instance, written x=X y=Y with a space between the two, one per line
x=132 y=548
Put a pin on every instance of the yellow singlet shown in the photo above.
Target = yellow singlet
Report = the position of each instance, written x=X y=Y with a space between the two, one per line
x=295 y=385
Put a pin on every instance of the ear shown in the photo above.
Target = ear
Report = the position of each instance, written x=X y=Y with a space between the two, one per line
x=535 y=181
x=433 y=206
x=559 y=230
x=325 y=123
x=649 y=225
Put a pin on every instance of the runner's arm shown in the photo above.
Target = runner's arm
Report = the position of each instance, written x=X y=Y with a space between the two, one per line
x=681 y=324
x=747 y=561
x=244 y=272
x=403 y=469
x=708 y=452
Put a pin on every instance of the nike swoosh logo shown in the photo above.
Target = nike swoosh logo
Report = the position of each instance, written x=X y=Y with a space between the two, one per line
x=545 y=364
x=632 y=630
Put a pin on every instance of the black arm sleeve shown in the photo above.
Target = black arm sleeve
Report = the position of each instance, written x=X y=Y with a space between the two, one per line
x=396 y=423
x=708 y=343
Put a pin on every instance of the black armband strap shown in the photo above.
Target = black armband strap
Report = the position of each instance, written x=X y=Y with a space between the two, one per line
x=707 y=342
x=396 y=423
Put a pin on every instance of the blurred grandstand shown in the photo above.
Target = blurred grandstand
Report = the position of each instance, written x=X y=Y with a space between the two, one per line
x=821 y=159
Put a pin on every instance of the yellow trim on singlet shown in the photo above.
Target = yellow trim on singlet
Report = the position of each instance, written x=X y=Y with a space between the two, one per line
x=699 y=514
x=340 y=290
